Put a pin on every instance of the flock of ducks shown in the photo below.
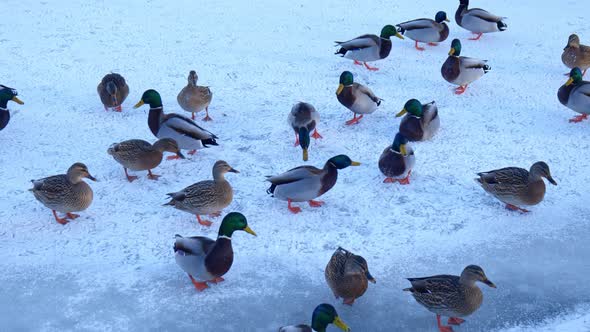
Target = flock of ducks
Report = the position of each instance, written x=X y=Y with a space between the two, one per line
x=206 y=260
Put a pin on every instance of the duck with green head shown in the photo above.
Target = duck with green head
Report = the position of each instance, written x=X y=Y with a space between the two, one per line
x=207 y=260
x=323 y=315
x=461 y=70
x=356 y=97
x=305 y=183
x=7 y=94
x=182 y=129
x=575 y=95
x=397 y=161
x=304 y=118
x=426 y=30
x=420 y=122
x=477 y=20
x=365 y=48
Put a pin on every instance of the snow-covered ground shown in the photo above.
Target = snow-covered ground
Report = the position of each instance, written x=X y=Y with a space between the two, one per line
x=113 y=268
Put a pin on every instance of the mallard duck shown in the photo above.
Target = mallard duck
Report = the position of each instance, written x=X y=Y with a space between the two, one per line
x=477 y=20
x=356 y=97
x=516 y=186
x=575 y=95
x=194 y=98
x=451 y=296
x=113 y=91
x=348 y=275
x=65 y=193
x=303 y=118
x=207 y=260
x=576 y=54
x=206 y=197
x=461 y=70
x=183 y=130
x=368 y=47
x=397 y=161
x=426 y=30
x=7 y=94
x=421 y=121
x=139 y=155
x=323 y=315
x=305 y=183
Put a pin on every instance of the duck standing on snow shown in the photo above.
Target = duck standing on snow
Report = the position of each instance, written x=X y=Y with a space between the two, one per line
x=183 y=130
x=576 y=54
x=477 y=20
x=207 y=260
x=420 y=122
x=65 y=193
x=7 y=94
x=397 y=161
x=139 y=155
x=348 y=275
x=323 y=315
x=304 y=118
x=356 y=97
x=305 y=183
x=451 y=296
x=194 y=98
x=368 y=47
x=113 y=91
x=461 y=70
x=206 y=197
x=426 y=30
x=575 y=95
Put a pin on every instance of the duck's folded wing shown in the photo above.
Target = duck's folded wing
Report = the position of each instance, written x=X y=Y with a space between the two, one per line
x=132 y=146
x=294 y=175
x=435 y=290
x=52 y=184
x=421 y=23
x=430 y=111
x=368 y=92
x=484 y=15
x=472 y=63
x=360 y=42
x=505 y=176
x=185 y=126
x=194 y=245
x=296 y=328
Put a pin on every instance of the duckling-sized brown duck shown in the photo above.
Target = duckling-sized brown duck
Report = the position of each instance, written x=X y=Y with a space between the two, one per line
x=421 y=121
x=113 y=91
x=451 y=296
x=194 y=98
x=576 y=54
x=304 y=118
x=348 y=275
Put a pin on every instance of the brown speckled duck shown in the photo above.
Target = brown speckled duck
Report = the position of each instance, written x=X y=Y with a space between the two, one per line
x=356 y=97
x=451 y=296
x=421 y=121
x=113 y=91
x=348 y=275
x=461 y=70
x=576 y=54
x=304 y=118
x=195 y=98
x=397 y=161
x=323 y=315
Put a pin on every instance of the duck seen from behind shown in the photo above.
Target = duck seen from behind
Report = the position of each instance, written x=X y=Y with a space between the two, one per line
x=575 y=95
x=7 y=94
x=461 y=70
x=576 y=54
x=365 y=48
x=304 y=118
x=426 y=30
x=348 y=275
x=113 y=90
x=356 y=97
x=195 y=98
x=323 y=315
x=477 y=20
x=397 y=161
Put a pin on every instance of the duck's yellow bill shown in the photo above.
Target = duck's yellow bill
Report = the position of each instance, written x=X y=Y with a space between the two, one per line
x=447 y=20
x=399 y=36
x=569 y=82
x=340 y=324
x=402 y=149
x=305 y=155
x=340 y=88
x=16 y=100
x=402 y=112
x=249 y=230
x=355 y=163
x=452 y=51
x=139 y=104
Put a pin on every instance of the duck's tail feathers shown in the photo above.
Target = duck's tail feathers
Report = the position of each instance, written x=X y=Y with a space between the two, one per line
x=486 y=68
x=502 y=26
x=342 y=51
x=179 y=196
x=400 y=29
x=271 y=190
x=209 y=141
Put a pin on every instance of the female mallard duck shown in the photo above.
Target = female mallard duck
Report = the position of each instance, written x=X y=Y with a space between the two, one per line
x=575 y=95
x=421 y=121
x=7 y=94
x=195 y=98
x=576 y=54
x=451 y=296
x=397 y=161
x=461 y=70
x=368 y=47
x=65 y=193
x=356 y=97
x=304 y=183
x=303 y=118
x=348 y=275
x=426 y=30
x=477 y=20
x=206 y=260
x=183 y=130
x=323 y=315
x=206 y=197
x=139 y=155
x=112 y=91
x=516 y=186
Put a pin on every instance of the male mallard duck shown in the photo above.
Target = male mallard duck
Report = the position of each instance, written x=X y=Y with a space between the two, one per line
x=368 y=47
x=516 y=186
x=421 y=121
x=65 y=193
x=576 y=54
x=323 y=315
x=477 y=20
x=183 y=130
x=348 y=275
x=451 y=296
x=426 y=30
x=461 y=70
x=6 y=94
x=112 y=91
x=397 y=161
x=356 y=97
x=207 y=260
x=206 y=197
x=303 y=118
x=139 y=155
x=304 y=183
x=575 y=95
x=194 y=98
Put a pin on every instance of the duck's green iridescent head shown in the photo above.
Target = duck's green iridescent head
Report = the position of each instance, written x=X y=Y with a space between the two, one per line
x=399 y=144
x=575 y=76
x=304 y=141
x=342 y=161
x=346 y=79
x=234 y=221
x=412 y=106
x=7 y=94
x=441 y=16
x=455 y=47
x=390 y=30
x=324 y=315
x=150 y=97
